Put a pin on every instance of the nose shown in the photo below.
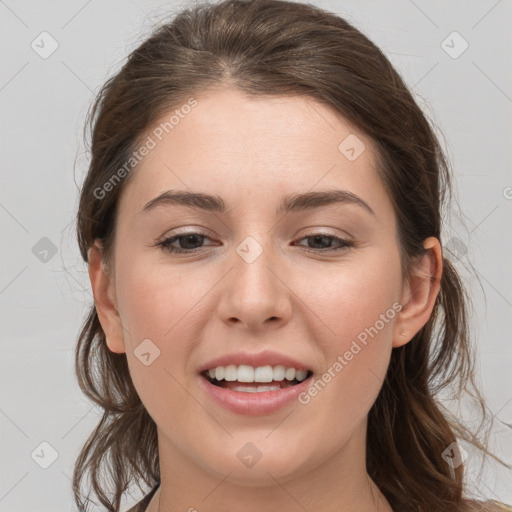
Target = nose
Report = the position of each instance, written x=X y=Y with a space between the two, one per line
x=255 y=294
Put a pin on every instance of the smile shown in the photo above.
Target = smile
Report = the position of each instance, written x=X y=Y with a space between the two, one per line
x=250 y=379
x=254 y=390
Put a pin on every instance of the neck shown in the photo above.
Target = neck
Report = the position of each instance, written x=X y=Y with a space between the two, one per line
x=340 y=483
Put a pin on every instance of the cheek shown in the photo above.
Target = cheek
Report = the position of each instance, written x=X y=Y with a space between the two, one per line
x=357 y=296
x=165 y=304
x=160 y=304
x=358 y=303
x=156 y=300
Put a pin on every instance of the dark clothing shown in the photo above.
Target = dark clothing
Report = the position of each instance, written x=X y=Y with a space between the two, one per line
x=144 y=503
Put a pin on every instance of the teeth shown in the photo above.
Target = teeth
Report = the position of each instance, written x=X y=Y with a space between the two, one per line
x=245 y=373
x=289 y=373
x=278 y=372
x=258 y=389
x=264 y=374
x=219 y=373
x=300 y=375
x=230 y=372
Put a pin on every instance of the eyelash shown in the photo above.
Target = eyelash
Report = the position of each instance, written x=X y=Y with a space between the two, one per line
x=165 y=245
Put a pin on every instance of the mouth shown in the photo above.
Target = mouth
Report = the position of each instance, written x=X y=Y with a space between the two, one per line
x=260 y=379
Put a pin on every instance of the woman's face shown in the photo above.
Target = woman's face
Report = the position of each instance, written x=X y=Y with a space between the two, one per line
x=305 y=283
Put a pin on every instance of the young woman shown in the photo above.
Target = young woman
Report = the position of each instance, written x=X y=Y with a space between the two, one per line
x=273 y=312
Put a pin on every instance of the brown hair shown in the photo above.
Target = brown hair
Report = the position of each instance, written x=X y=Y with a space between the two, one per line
x=276 y=47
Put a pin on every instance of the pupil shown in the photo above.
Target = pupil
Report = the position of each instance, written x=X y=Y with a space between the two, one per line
x=189 y=238
x=319 y=238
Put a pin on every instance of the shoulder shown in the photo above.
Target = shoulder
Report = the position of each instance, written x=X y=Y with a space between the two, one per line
x=487 y=506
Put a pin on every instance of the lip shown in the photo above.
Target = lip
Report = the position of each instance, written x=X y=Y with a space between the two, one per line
x=264 y=358
x=253 y=404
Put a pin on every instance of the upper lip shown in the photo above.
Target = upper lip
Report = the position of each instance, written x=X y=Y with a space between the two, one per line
x=265 y=358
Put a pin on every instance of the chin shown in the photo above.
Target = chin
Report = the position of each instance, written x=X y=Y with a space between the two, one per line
x=258 y=464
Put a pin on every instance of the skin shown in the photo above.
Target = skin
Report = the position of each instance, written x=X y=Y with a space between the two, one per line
x=308 y=304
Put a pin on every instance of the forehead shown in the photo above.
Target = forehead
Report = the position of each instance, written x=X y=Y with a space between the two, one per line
x=237 y=146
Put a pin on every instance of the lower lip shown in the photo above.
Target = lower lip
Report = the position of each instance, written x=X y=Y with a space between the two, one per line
x=254 y=404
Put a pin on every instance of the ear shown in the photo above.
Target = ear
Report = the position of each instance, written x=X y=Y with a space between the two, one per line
x=419 y=293
x=102 y=284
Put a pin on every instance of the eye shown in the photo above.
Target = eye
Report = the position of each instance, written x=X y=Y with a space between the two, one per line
x=193 y=242
x=187 y=241
x=325 y=239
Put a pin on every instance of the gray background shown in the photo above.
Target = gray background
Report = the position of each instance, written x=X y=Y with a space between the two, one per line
x=43 y=102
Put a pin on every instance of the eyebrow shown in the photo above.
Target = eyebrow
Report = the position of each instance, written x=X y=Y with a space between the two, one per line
x=290 y=203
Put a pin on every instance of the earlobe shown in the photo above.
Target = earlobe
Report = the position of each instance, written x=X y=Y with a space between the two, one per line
x=102 y=284
x=420 y=293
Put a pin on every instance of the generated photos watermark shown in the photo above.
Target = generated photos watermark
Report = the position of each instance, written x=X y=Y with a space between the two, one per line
x=344 y=359
x=150 y=143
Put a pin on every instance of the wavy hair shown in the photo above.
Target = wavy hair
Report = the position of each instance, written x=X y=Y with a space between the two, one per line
x=277 y=47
